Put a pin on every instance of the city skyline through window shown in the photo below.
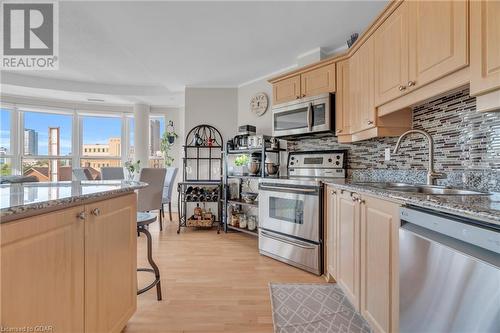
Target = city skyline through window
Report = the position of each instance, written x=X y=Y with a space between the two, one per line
x=36 y=132
x=46 y=142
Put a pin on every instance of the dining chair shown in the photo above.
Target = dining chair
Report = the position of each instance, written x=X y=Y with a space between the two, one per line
x=80 y=174
x=150 y=197
x=112 y=173
x=167 y=191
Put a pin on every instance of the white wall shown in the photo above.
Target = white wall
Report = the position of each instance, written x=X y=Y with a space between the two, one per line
x=213 y=106
x=245 y=116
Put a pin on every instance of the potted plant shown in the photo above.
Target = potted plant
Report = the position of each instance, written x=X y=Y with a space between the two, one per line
x=132 y=168
x=241 y=162
x=167 y=140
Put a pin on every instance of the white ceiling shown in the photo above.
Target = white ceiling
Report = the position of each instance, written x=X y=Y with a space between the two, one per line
x=135 y=51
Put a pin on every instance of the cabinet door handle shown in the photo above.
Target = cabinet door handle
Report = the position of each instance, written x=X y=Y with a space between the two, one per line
x=303 y=95
x=297 y=97
x=81 y=215
x=402 y=88
x=339 y=131
x=96 y=212
x=361 y=201
x=411 y=83
x=370 y=122
x=333 y=192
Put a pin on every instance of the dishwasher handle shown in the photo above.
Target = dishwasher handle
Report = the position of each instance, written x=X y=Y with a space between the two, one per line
x=466 y=232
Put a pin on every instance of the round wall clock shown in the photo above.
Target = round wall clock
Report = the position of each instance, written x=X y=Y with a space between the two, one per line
x=259 y=104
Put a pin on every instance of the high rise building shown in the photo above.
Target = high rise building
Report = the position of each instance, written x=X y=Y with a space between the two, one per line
x=154 y=137
x=3 y=152
x=30 y=142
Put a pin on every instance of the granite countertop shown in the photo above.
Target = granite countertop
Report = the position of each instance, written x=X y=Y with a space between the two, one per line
x=25 y=198
x=485 y=208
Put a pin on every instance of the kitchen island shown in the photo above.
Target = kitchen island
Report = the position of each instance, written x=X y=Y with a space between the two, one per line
x=68 y=255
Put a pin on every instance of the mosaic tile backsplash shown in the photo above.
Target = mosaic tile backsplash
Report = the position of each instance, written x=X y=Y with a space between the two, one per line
x=467 y=146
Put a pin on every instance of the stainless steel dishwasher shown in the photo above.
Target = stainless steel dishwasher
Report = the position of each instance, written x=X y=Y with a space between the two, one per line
x=449 y=273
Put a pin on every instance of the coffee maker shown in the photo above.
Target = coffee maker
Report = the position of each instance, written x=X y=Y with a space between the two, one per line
x=240 y=141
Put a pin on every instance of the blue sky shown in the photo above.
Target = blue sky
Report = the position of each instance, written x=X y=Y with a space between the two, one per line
x=4 y=129
x=95 y=129
x=42 y=122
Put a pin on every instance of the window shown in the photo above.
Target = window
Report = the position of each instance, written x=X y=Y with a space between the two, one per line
x=156 y=129
x=5 y=151
x=101 y=143
x=131 y=126
x=47 y=151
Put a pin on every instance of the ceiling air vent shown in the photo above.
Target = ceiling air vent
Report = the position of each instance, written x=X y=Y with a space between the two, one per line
x=95 y=100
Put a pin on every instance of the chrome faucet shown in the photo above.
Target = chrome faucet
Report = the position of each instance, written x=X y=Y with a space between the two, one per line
x=431 y=174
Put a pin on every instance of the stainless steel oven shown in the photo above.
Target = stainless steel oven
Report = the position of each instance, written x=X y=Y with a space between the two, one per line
x=289 y=216
x=291 y=208
x=304 y=116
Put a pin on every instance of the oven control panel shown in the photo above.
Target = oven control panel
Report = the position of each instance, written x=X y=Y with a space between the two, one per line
x=330 y=160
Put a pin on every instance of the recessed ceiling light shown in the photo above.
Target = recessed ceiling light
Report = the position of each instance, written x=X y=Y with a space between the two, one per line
x=95 y=100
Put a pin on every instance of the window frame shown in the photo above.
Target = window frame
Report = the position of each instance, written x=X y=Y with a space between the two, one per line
x=21 y=156
x=13 y=128
x=122 y=116
x=16 y=153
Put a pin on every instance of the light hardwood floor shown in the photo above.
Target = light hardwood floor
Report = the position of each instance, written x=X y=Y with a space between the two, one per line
x=210 y=283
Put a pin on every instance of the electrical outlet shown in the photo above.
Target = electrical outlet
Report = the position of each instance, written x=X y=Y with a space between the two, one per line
x=387 y=154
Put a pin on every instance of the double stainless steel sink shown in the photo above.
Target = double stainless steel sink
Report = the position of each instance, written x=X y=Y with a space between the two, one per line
x=420 y=188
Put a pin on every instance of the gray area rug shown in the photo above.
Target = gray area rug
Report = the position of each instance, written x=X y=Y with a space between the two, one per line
x=318 y=308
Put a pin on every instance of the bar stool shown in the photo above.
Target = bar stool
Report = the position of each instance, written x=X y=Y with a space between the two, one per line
x=143 y=220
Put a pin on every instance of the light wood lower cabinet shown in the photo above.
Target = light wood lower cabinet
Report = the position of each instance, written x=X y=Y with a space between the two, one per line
x=42 y=270
x=362 y=254
x=348 y=261
x=379 y=263
x=331 y=230
x=110 y=264
x=73 y=269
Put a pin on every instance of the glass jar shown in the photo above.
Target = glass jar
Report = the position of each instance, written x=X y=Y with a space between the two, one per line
x=243 y=221
x=252 y=222
x=235 y=219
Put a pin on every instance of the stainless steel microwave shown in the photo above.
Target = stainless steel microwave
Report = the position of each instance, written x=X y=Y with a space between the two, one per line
x=308 y=115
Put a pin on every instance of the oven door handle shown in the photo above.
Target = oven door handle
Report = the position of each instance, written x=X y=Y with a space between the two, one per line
x=287 y=241
x=288 y=189
x=309 y=116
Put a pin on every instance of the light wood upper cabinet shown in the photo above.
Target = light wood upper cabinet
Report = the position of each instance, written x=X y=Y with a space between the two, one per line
x=391 y=56
x=485 y=46
x=110 y=264
x=379 y=263
x=420 y=42
x=438 y=39
x=42 y=271
x=309 y=83
x=318 y=81
x=342 y=109
x=348 y=262
x=286 y=90
x=361 y=88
